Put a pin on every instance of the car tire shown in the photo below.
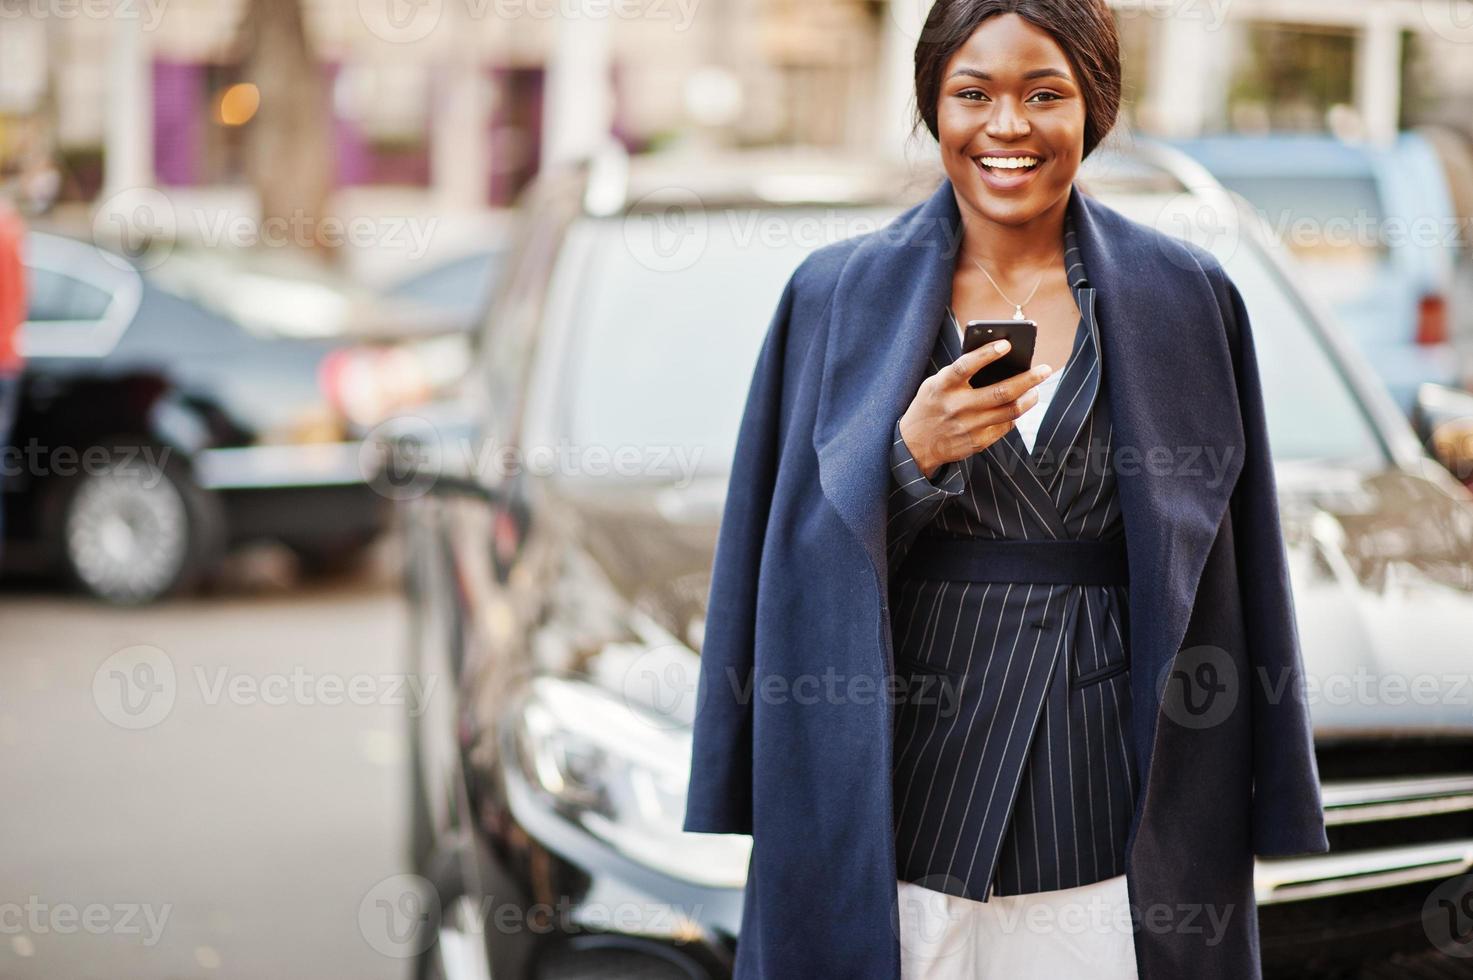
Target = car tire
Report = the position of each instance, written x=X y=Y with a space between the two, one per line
x=136 y=532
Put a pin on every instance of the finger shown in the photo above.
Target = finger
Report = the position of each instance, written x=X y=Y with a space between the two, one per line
x=1028 y=399
x=989 y=434
x=1015 y=387
x=1004 y=415
x=973 y=361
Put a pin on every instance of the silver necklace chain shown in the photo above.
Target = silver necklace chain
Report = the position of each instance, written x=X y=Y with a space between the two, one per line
x=1017 y=307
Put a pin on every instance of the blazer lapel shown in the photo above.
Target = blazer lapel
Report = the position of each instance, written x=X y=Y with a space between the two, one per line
x=1165 y=365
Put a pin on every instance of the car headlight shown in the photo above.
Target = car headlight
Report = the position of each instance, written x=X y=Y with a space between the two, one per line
x=620 y=773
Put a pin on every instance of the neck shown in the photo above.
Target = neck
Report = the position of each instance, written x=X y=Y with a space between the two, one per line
x=1010 y=250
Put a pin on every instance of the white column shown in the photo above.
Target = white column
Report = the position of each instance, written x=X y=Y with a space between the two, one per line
x=460 y=153
x=128 y=139
x=900 y=28
x=1188 y=74
x=578 y=104
x=1378 y=74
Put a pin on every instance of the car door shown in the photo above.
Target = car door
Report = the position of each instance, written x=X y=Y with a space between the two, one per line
x=464 y=537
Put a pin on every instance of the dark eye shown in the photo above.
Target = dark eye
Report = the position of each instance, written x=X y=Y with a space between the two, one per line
x=1052 y=96
x=972 y=94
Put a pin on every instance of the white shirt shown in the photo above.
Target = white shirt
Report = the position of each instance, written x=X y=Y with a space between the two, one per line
x=1029 y=422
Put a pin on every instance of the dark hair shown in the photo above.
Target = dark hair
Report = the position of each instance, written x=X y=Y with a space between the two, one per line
x=1085 y=29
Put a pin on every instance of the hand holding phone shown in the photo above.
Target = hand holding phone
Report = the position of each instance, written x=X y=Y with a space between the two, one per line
x=960 y=410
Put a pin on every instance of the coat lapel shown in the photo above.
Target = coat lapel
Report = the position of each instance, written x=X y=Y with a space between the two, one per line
x=1165 y=365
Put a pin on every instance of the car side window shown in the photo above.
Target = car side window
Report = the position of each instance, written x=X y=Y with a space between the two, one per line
x=1314 y=415
x=56 y=297
x=511 y=330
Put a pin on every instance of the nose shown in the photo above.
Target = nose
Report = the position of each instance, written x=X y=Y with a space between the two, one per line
x=1006 y=122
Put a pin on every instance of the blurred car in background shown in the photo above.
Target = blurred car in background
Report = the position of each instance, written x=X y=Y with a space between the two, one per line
x=1374 y=233
x=568 y=600
x=455 y=296
x=154 y=433
x=460 y=288
x=1454 y=148
x=280 y=293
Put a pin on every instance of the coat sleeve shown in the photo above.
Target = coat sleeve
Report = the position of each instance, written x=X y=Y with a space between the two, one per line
x=719 y=794
x=914 y=500
x=1286 y=809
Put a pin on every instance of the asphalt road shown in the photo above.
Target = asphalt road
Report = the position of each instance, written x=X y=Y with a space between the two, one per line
x=206 y=788
x=214 y=787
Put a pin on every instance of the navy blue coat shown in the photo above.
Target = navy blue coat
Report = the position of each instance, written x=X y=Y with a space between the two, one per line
x=792 y=740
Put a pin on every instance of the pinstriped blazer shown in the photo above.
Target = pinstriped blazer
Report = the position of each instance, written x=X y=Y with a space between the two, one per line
x=1015 y=775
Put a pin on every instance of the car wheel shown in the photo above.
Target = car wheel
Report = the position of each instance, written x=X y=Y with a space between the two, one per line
x=133 y=533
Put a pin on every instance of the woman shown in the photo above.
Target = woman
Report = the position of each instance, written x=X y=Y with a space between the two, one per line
x=1012 y=668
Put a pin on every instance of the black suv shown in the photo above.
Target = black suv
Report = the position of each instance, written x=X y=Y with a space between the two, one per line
x=562 y=516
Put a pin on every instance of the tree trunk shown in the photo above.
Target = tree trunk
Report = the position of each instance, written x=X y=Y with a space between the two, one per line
x=288 y=150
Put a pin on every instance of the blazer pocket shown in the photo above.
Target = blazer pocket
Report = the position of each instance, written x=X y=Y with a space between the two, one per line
x=930 y=689
x=1099 y=674
x=910 y=665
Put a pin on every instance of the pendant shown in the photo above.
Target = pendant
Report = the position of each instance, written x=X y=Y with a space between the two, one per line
x=1018 y=314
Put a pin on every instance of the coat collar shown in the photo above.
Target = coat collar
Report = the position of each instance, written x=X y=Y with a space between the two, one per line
x=1166 y=368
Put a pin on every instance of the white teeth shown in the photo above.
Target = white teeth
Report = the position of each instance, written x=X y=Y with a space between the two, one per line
x=1010 y=163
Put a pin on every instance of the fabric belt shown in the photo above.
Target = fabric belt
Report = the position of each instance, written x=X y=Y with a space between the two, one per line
x=940 y=556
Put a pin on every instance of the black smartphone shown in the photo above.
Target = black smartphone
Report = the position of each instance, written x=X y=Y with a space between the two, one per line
x=1021 y=334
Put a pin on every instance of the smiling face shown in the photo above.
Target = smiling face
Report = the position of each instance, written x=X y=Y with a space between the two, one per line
x=1010 y=120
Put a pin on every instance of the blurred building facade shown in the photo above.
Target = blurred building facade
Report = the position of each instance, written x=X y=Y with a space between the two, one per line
x=462 y=100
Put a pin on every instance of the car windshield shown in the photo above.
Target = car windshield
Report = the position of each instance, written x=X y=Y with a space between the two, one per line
x=281 y=296
x=667 y=336
x=1334 y=220
x=671 y=319
x=1313 y=414
x=461 y=286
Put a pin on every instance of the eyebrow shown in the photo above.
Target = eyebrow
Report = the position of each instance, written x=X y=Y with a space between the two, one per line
x=1027 y=76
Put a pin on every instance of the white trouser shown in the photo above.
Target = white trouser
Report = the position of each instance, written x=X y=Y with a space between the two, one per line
x=1072 y=932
